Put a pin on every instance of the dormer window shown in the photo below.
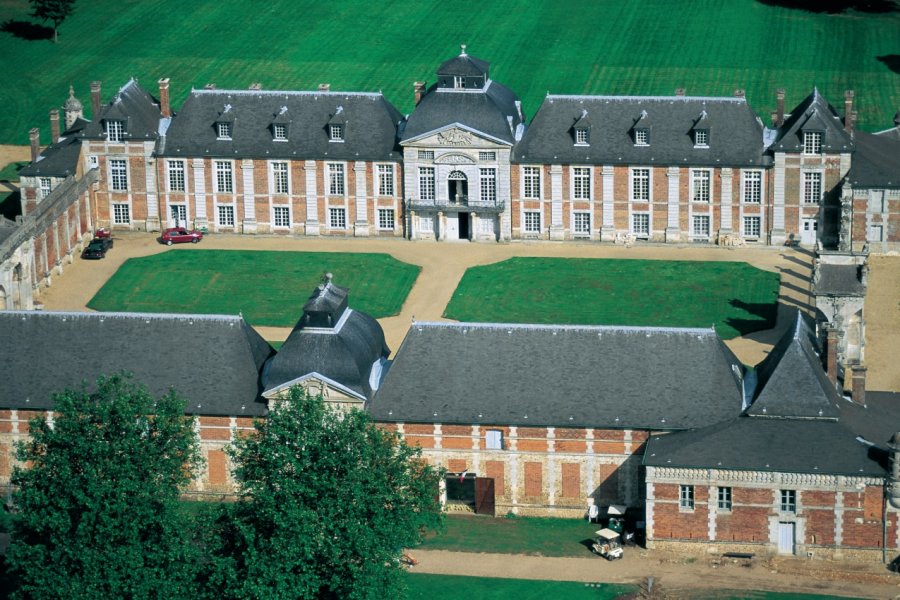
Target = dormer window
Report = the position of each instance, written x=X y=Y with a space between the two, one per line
x=115 y=131
x=223 y=130
x=812 y=142
x=581 y=130
x=641 y=137
x=336 y=133
x=581 y=137
x=701 y=138
x=279 y=132
x=459 y=82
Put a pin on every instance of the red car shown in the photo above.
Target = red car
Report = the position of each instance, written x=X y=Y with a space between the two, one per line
x=180 y=235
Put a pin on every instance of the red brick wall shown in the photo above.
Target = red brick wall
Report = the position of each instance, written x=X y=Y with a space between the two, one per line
x=571 y=480
x=495 y=470
x=533 y=479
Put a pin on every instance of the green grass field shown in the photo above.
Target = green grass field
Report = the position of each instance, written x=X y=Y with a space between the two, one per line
x=736 y=297
x=452 y=587
x=709 y=47
x=269 y=288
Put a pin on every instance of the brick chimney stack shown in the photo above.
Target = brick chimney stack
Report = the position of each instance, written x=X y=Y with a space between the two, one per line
x=165 y=109
x=848 y=111
x=419 y=90
x=34 y=136
x=324 y=87
x=95 y=100
x=858 y=387
x=54 y=126
x=779 y=107
x=680 y=92
x=831 y=346
x=740 y=93
x=255 y=87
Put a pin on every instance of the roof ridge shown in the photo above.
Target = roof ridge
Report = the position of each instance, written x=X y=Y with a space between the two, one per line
x=124 y=315
x=728 y=99
x=541 y=326
x=285 y=92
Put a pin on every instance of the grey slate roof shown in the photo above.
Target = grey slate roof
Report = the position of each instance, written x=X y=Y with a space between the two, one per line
x=546 y=375
x=877 y=421
x=133 y=105
x=212 y=361
x=735 y=132
x=57 y=160
x=814 y=113
x=876 y=163
x=463 y=65
x=839 y=280
x=7 y=228
x=791 y=382
x=370 y=128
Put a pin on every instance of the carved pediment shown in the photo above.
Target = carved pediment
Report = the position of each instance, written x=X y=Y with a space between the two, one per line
x=454 y=158
x=455 y=137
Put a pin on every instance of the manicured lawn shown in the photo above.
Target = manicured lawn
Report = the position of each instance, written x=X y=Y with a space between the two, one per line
x=268 y=288
x=577 y=47
x=452 y=587
x=734 y=296
x=11 y=171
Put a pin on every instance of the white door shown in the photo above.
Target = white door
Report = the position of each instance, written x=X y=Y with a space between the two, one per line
x=786 y=538
x=808 y=228
x=177 y=215
x=452 y=227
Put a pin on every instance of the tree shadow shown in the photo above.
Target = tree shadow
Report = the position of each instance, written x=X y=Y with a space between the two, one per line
x=766 y=313
x=11 y=206
x=27 y=30
x=835 y=7
x=891 y=61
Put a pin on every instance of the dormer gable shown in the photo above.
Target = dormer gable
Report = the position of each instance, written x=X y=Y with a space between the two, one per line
x=326 y=305
x=813 y=127
x=337 y=125
x=640 y=132
x=281 y=125
x=700 y=132
x=581 y=130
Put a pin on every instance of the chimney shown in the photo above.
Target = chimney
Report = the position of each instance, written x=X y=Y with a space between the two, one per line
x=848 y=111
x=95 y=100
x=858 y=388
x=779 y=107
x=740 y=93
x=831 y=346
x=209 y=86
x=54 y=126
x=256 y=86
x=165 y=110
x=34 y=136
x=419 y=89
x=679 y=92
x=324 y=87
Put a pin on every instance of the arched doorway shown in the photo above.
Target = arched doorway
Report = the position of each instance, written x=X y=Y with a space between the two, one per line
x=458 y=188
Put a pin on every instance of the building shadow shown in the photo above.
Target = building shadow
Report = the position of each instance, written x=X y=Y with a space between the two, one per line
x=11 y=206
x=796 y=275
x=27 y=30
x=892 y=61
x=795 y=260
x=766 y=313
x=835 y=7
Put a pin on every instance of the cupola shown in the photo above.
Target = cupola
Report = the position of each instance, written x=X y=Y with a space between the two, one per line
x=463 y=72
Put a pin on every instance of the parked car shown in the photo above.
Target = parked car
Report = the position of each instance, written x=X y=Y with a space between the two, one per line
x=180 y=235
x=103 y=233
x=97 y=248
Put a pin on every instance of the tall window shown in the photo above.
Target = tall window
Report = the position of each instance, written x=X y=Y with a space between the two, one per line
x=115 y=131
x=121 y=214
x=640 y=185
x=641 y=137
x=812 y=188
x=701 y=225
x=385 y=180
x=336 y=179
x=686 y=497
x=531 y=182
x=812 y=142
x=701 y=138
x=386 y=218
x=336 y=133
x=279 y=132
x=640 y=224
x=752 y=187
x=176 y=175
x=226 y=216
x=724 y=499
x=118 y=172
x=488 y=181
x=532 y=221
x=751 y=227
x=788 y=501
x=700 y=179
x=223 y=131
x=581 y=183
x=337 y=218
x=224 y=177
x=280 y=177
x=459 y=82
x=46 y=184
x=426 y=183
x=281 y=215
x=582 y=222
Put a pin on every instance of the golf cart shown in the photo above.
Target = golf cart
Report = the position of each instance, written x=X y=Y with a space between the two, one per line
x=608 y=544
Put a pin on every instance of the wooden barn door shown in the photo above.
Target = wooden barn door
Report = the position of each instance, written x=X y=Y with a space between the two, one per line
x=484 y=496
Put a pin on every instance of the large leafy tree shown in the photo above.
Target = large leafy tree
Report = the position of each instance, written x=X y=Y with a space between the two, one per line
x=328 y=503
x=97 y=505
x=55 y=11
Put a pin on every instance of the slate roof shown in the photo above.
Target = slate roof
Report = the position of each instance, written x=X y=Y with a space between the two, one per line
x=735 y=132
x=133 y=105
x=7 y=228
x=839 y=280
x=814 y=113
x=876 y=163
x=877 y=421
x=464 y=65
x=212 y=361
x=553 y=375
x=57 y=160
x=370 y=128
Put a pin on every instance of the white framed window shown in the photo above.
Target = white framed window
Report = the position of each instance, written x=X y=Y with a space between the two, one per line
x=582 y=223
x=641 y=137
x=178 y=213
x=118 y=174
x=426 y=224
x=700 y=225
x=876 y=233
x=226 y=215
x=488 y=183
x=812 y=187
x=224 y=177
x=426 y=154
x=686 y=497
x=121 y=214
x=175 y=169
x=337 y=218
x=640 y=224
x=426 y=183
x=459 y=82
x=386 y=219
x=640 y=185
x=493 y=439
x=93 y=161
x=581 y=183
x=700 y=182
x=45 y=187
x=812 y=142
x=751 y=187
x=487 y=155
x=788 y=501
x=752 y=227
x=724 y=499
x=281 y=216
x=336 y=179
x=531 y=182
x=581 y=137
x=115 y=131
x=532 y=221
x=336 y=133
x=701 y=138
x=385 y=180
x=279 y=132
x=280 y=180
x=223 y=131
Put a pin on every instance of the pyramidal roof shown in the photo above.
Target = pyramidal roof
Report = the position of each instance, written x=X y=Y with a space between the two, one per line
x=814 y=113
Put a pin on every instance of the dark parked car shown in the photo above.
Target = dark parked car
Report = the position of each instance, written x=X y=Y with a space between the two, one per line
x=180 y=235
x=97 y=248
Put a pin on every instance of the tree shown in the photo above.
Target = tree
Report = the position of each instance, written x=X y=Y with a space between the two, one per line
x=328 y=501
x=54 y=11
x=97 y=512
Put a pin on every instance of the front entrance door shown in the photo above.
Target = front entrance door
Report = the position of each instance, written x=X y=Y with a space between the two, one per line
x=786 y=533
x=808 y=230
x=484 y=496
x=178 y=215
x=460 y=491
x=458 y=188
x=464 y=219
